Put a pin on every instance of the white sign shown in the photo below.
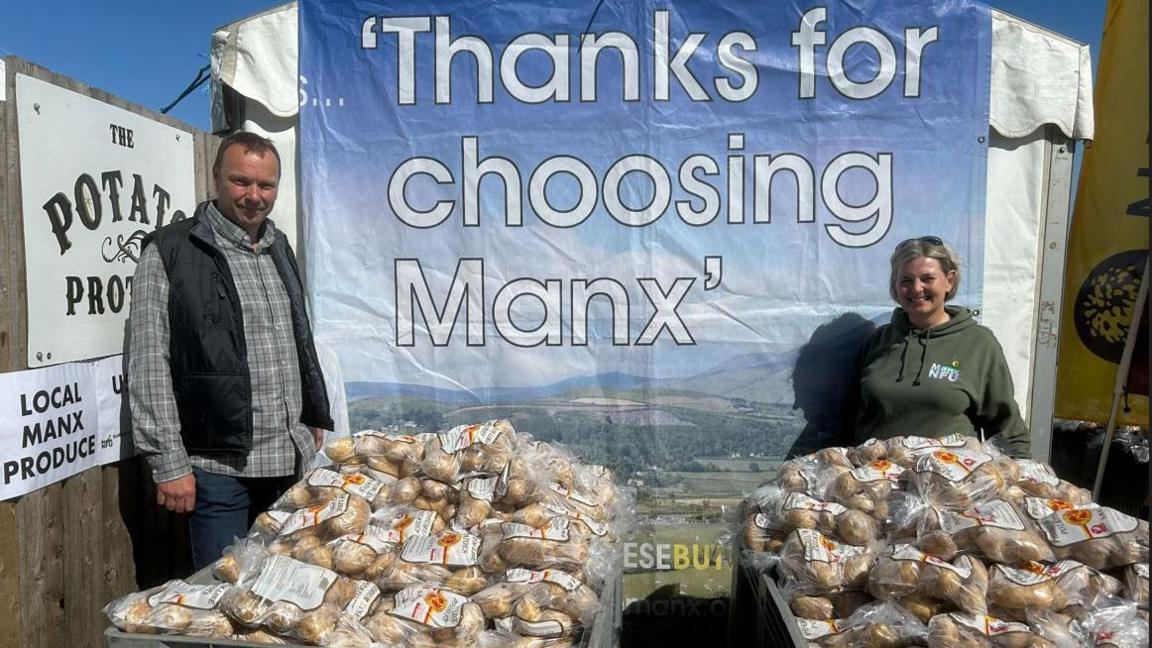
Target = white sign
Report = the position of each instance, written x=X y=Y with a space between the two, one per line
x=49 y=426
x=94 y=180
x=59 y=421
x=115 y=423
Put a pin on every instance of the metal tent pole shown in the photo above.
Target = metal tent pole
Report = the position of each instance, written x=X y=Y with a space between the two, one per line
x=1122 y=378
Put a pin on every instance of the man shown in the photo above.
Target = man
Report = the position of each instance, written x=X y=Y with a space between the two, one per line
x=225 y=389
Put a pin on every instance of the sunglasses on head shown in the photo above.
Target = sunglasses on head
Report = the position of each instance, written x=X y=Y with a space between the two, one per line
x=930 y=240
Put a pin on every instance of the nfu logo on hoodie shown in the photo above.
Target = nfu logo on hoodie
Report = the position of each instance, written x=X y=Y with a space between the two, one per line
x=944 y=372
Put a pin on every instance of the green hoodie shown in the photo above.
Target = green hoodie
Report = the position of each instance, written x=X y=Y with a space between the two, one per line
x=950 y=378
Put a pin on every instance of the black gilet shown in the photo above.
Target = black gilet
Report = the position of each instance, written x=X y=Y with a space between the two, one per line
x=208 y=352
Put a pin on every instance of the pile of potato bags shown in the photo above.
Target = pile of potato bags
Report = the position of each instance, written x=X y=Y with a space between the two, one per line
x=947 y=542
x=477 y=536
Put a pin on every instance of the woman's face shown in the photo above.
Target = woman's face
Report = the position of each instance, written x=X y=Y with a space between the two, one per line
x=922 y=286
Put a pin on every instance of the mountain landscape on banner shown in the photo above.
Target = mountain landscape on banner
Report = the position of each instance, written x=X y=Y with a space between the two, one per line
x=762 y=377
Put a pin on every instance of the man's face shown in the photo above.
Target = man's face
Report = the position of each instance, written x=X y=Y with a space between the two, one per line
x=246 y=186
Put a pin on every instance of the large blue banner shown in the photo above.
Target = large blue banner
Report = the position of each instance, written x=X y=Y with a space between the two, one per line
x=653 y=230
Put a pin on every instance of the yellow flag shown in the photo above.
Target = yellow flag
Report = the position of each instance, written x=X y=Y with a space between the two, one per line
x=1109 y=237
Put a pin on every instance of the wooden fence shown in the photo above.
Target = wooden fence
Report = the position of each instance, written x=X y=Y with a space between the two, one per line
x=68 y=549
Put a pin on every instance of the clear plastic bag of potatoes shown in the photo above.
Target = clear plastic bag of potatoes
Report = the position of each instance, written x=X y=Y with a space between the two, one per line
x=1031 y=585
x=867 y=452
x=365 y=555
x=343 y=514
x=1082 y=585
x=475 y=448
x=827 y=633
x=866 y=488
x=819 y=564
x=1116 y=623
x=1099 y=537
x=391 y=453
x=957 y=479
x=557 y=590
x=289 y=598
x=761 y=532
x=904 y=570
x=906 y=512
x=959 y=630
x=553 y=546
x=1136 y=583
x=400 y=522
x=883 y=624
x=244 y=552
x=320 y=485
x=897 y=572
x=175 y=607
x=993 y=529
x=825 y=607
x=1039 y=480
x=799 y=511
x=906 y=451
x=963 y=582
x=813 y=474
x=1062 y=630
x=425 y=616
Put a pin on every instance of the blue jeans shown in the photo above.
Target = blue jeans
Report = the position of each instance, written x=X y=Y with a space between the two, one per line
x=225 y=509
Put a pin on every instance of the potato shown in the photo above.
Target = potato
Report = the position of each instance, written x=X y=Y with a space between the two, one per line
x=351 y=555
x=466 y=581
x=440 y=465
x=812 y=607
x=939 y=544
x=498 y=601
x=895 y=577
x=945 y=632
x=867 y=452
x=964 y=583
x=209 y=623
x=340 y=450
x=379 y=566
x=1016 y=589
x=406 y=490
x=921 y=606
x=227 y=568
x=170 y=618
x=857 y=528
x=315 y=625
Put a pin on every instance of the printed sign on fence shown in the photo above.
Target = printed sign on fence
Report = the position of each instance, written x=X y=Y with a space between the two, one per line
x=59 y=421
x=94 y=180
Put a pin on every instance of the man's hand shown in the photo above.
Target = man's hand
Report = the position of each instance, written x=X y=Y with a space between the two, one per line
x=318 y=435
x=178 y=495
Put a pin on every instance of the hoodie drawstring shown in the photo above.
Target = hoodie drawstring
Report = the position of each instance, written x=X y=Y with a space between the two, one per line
x=903 y=356
x=923 y=355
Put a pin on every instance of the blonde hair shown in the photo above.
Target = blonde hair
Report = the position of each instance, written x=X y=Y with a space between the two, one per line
x=928 y=247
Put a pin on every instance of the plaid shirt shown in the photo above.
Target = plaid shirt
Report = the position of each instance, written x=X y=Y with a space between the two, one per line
x=278 y=437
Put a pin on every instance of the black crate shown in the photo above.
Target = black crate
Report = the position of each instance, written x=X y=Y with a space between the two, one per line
x=1076 y=455
x=759 y=615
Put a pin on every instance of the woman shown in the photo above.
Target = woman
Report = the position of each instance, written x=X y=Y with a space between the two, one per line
x=933 y=371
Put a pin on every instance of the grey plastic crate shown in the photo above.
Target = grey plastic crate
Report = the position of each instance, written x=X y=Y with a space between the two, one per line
x=603 y=633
